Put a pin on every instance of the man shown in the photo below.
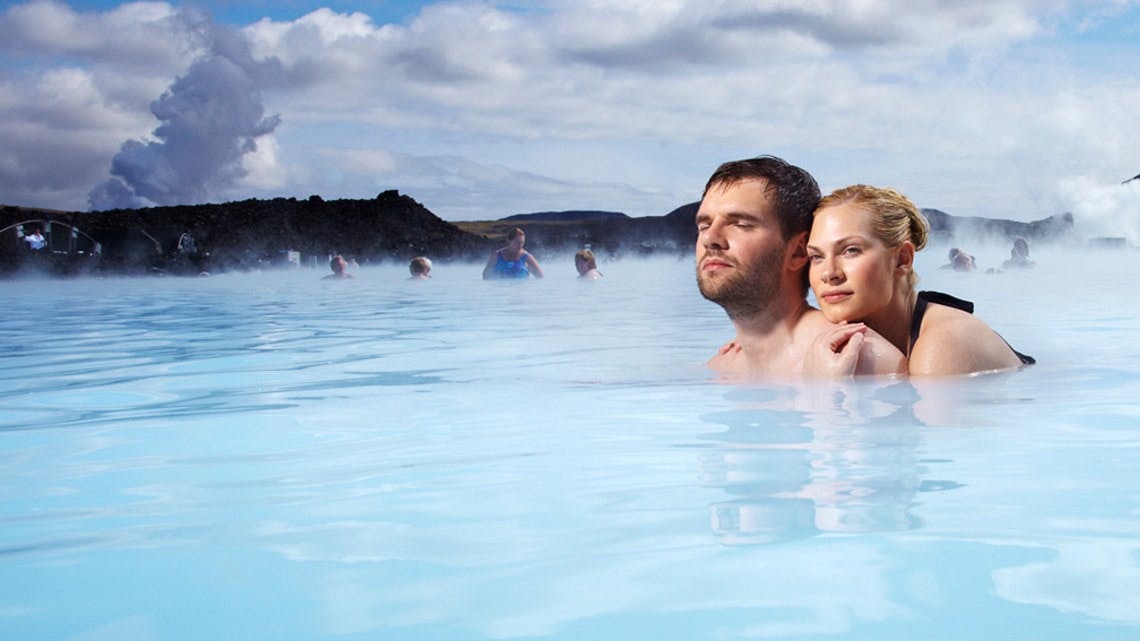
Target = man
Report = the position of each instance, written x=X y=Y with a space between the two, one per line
x=752 y=227
x=339 y=267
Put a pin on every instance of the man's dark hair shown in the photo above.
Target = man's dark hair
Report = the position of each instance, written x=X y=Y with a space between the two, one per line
x=793 y=191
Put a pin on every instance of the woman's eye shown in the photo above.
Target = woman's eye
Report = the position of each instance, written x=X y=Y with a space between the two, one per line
x=850 y=251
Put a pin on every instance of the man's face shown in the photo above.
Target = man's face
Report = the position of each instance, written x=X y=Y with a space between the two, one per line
x=581 y=264
x=740 y=248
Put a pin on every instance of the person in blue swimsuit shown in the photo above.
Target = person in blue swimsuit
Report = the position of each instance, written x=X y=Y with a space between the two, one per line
x=861 y=268
x=512 y=261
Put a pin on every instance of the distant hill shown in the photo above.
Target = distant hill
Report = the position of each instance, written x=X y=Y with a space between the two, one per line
x=684 y=215
x=610 y=233
x=252 y=232
x=570 y=215
x=945 y=227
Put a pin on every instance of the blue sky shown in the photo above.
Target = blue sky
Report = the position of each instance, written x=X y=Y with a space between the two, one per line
x=1001 y=108
x=240 y=13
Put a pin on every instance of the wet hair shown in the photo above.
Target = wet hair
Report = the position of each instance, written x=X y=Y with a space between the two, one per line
x=793 y=192
x=895 y=218
x=419 y=265
x=515 y=233
x=587 y=256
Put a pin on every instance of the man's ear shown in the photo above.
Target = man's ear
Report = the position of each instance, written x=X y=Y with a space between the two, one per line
x=904 y=260
x=795 y=256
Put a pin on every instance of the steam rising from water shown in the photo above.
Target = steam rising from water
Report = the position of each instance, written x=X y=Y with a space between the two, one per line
x=211 y=118
x=1104 y=209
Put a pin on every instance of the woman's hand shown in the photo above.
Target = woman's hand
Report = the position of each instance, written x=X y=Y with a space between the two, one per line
x=836 y=352
x=878 y=357
x=728 y=348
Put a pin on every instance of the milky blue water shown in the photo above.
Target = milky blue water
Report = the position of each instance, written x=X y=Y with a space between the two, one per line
x=273 y=456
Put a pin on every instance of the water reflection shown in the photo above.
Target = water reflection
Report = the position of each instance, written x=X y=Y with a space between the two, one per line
x=802 y=461
x=1098 y=579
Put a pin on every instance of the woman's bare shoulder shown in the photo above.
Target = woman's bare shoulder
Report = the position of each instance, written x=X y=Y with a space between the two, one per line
x=953 y=342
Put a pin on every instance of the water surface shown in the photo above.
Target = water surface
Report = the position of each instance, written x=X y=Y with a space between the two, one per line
x=273 y=456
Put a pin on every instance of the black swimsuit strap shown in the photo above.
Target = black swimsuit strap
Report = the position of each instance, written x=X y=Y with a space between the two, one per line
x=938 y=298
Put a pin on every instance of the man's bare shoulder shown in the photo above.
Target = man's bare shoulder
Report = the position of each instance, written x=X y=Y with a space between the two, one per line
x=811 y=323
x=729 y=359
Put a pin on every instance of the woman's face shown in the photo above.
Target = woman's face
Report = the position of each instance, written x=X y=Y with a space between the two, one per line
x=582 y=264
x=851 y=271
x=517 y=242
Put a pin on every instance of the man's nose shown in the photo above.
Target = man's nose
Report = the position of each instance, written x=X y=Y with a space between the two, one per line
x=712 y=237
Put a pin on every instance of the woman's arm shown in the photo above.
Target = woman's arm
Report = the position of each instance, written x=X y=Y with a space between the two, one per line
x=532 y=265
x=879 y=357
x=490 y=265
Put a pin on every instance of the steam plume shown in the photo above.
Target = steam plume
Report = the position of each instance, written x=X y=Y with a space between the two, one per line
x=1103 y=208
x=211 y=117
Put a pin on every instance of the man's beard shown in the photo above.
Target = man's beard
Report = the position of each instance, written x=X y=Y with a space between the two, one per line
x=746 y=290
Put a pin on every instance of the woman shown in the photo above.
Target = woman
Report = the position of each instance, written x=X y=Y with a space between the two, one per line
x=586 y=265
x=1019 y=255
x=512 y=261
x=861 y=252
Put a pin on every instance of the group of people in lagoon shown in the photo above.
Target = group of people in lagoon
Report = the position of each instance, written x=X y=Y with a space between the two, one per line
x=960 y=261
x=765 y=236
x=512 y=261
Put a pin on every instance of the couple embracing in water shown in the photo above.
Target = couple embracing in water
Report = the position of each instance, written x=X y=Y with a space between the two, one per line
x=765 y=235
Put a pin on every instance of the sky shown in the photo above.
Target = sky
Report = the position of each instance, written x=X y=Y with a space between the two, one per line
x=1017 y=109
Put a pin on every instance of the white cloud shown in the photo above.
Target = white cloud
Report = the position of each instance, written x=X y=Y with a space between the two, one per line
x=263 y=169
x=136 y=35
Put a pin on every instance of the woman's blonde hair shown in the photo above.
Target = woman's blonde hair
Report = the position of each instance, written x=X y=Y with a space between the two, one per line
x=895 y=218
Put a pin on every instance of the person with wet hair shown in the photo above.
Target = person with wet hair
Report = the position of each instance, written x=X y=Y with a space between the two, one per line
x=752 y=225
x=512 y=261
x=960 y=261
x=861 y=253
x=1019 y=255
x=339 y=267
x=420 y=267
x=587 y=265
